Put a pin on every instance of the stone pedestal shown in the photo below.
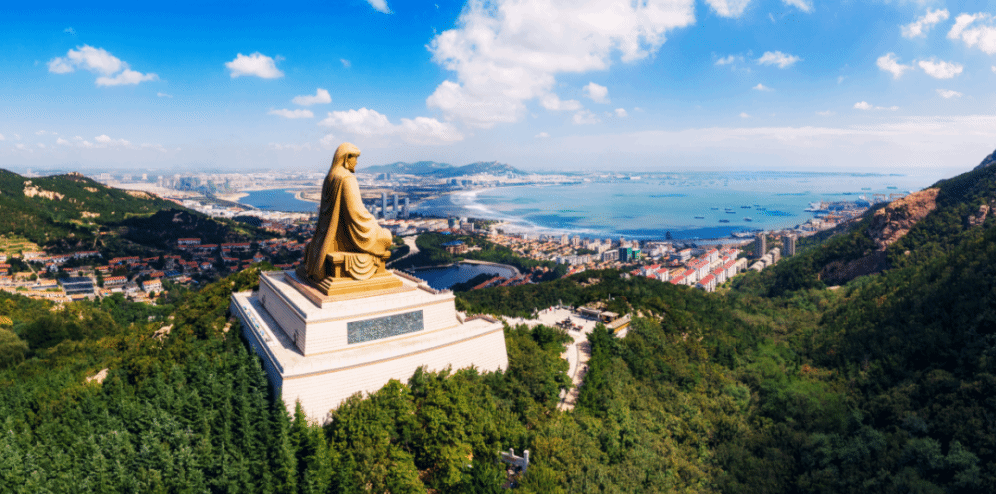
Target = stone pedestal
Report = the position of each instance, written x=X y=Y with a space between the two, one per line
x=320 y=350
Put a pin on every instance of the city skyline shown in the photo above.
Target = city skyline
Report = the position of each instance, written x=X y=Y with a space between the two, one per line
x=669 y=85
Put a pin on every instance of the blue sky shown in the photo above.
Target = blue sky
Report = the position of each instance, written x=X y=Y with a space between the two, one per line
x=890 y=86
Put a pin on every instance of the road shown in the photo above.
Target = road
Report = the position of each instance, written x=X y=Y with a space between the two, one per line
x=412 y=248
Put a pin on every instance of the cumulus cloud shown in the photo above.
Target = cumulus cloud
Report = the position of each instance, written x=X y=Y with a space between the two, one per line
x=948 y=94
x=2 y=138
x=940 y=69
x=982 y=34
x=345 y=63
x=368 y=123
x=761 y=87
x=380 y=6
x=585 y=117
x=890 y=63
x=299 y=113
x=728 y=8
x=919 y=27
x=164 y=95
x=553 y=102
x=825 y=113
x=126 y=76
x=727 y=60
x=541 y=135
x=597 y=93
x=100 y=61
x=744 y=115
x=40 y=145
x=257 y=64
x=110 y=142
x=864 y=105
x=507 y=52
x=802 y=5
x=321 y=97
x=104 y=141
x=782 y=60
x=621 y=112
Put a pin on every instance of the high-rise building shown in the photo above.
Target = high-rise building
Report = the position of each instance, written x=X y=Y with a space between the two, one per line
x=383 y=204
x=407 y=211
x=395 y=204
x=762 y=244
x=789 y=245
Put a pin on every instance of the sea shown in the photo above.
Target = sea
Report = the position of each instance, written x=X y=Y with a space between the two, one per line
x=685 y=205
x=278 y=200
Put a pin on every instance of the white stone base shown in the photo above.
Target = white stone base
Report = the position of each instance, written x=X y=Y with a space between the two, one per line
x=280 y=323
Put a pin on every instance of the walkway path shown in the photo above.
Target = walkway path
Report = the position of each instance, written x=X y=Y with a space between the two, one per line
x=576 y=353
x=412 y=248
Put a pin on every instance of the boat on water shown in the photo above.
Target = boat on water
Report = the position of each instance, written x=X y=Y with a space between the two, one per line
x=731 y=212
x=892 y=187
x=866 y=188
x=700 y=217
x=747 y=219
x=714 y=209
x=744 y=207
x=724 y=221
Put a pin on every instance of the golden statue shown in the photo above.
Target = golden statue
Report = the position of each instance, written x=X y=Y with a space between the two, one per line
x=349 y=249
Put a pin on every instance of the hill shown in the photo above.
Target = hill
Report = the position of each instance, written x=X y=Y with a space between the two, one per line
x=417 y=168
x=68 y=212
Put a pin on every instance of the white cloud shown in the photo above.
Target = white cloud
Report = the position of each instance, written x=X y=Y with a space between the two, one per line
x=40 y=133
x=826 y=113
x=802 y=5
x=744 y=115
x=948 y=94
x=728 y=8
x=380 y=6
x=939 y=69
x=62 y=142
x=345 y=63
x=507 y=52
x=761 y=87
x=369 y=123
x=597 y=93
x=840 y=79
x=553 y=102
x=729 y=60
x=621 y=112
x=585 y=117
x=127 y=76
x=328 y=141
x=321 y=97
x=864 y=105
x=782 y=60
x=983 y=34
x=289 y=147
x=298 y=113
x=2 y=138
x=256 y=64
x=40 y=145
x=920 y=25
x=90 y=58
x=100 y=61
x=155 y=147
x=541 y=135
x=164 y=95
x=106 y=140
x=22 y=147
x=890 y=63
x=994 y=68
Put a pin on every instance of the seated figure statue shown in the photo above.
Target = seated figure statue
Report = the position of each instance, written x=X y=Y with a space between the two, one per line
x=348 y=243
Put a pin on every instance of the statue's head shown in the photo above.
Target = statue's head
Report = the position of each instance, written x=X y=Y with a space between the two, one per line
x=345 y=155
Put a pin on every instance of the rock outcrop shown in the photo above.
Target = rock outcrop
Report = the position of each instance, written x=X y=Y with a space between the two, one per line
x=895 y=220
x=980 y=218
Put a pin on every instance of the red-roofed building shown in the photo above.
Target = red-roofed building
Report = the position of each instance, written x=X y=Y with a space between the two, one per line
x=708 y=283
x=152 y=286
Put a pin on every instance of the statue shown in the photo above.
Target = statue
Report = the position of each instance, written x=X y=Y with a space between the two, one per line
x=349 y=246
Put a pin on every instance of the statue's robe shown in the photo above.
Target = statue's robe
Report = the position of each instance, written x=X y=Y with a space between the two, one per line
x=344 y=224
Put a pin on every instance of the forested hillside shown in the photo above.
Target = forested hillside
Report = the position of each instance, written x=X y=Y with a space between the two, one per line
x=71 y=212
x=776 y=384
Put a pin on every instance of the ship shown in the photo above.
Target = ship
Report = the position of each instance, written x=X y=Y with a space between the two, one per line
x=724 y=221
x=700 y=217
x=747 y=219
x=731 y=212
